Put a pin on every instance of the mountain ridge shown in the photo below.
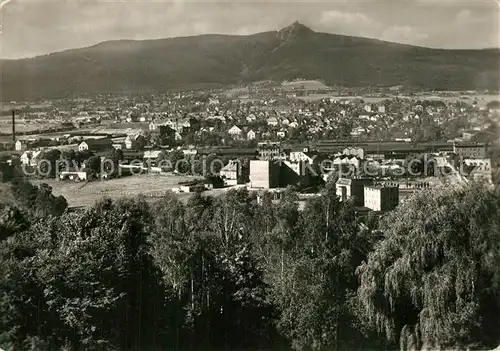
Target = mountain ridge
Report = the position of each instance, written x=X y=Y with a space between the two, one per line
x=275 y=32
x=295 y=51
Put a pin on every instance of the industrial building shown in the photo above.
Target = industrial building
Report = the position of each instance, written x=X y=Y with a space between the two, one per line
x=269 y=151
x=380 y=198
x=231 y=172
x=471 y=150
x=264 y=174
x=354 y=189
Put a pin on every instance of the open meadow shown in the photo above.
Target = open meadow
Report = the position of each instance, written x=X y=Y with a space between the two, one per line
x=23 y=127
x=84 y=194
x=482 y=99
x=304 y=84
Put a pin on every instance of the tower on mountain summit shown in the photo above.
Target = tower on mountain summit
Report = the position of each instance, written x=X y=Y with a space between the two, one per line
x=295 y=31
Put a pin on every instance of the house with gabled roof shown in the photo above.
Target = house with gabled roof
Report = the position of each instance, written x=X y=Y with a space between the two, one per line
x=30 y=158
x=96 y=145
x=235 y=132
x=134 y=141
x=251 y=135
x=273 y=121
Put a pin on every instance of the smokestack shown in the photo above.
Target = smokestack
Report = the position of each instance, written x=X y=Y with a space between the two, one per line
x=13 y=125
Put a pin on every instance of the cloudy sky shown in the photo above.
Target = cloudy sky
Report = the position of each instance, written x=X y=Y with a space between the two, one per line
x=34 y=27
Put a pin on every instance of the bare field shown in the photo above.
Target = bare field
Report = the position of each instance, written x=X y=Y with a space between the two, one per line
x=481 y=99
x=23 y=128
x=151 y=186
x=307 y=84
x=6 y=196
x=85 y=194
x=236 y=91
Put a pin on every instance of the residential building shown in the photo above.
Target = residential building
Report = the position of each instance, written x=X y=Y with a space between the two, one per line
x=347 y=160
x=479 y=169
x=352 y=188
x=297 y=173
x=296 y=156
x=190 y=152
x=470 y=150
x=74 y=175
x=269 y=151
x=231 y=172
x=136 y=141
x=251 y=118
x=96 y=145
x=251 y=135
x=235 y=132
x=165 y=132
x=21 y=145
x=30 y=158
x=183 y=126
x=154 y=125
x=380 y=198
x=273 y=121
x=151 y=157
x=354 y=151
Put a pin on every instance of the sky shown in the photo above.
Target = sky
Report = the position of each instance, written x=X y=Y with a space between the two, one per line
x=37 y=27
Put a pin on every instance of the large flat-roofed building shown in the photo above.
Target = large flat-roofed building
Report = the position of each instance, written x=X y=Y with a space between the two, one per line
x=380 y=198
x=294 y=173
x=264 y=174
x=269 y=152
x=471 y=150
x=478 y=169
x=347 y=188
x=354 y=151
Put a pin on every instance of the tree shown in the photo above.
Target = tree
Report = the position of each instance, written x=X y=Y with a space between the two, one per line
x=81 y=156
x=494 y=104
x=316 y=298
x=85 y=281
x=37 y=201
x=431 y=281
x=11 y=221
x=68 y=155
x=47 y=165
x=93 y=164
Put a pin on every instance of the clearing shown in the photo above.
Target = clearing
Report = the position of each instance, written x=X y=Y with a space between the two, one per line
x=152 y=186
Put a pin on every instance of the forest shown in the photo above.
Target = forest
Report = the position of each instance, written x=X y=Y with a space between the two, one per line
x=241 y=272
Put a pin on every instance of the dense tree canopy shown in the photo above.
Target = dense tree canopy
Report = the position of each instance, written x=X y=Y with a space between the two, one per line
x=248 y=272
x=434 y=279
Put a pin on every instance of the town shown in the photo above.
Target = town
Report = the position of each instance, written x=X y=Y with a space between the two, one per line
x=249 y=175
x=378 y=149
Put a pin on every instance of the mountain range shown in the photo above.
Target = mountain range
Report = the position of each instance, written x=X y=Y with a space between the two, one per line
x=130 y=66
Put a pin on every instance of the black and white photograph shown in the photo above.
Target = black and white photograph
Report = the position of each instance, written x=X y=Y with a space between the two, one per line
x=249 y=175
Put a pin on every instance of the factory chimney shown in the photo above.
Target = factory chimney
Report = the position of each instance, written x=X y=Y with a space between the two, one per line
x=14 y=125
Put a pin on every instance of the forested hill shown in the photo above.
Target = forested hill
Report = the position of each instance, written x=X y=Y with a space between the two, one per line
x=207 y=60
x=238 y=273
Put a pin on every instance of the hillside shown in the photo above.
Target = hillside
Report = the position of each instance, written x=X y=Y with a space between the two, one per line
x=128 y=66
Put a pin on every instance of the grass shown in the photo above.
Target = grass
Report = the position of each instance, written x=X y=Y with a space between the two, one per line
x=85 y=194
x=6 y=196
x=307 y=84
x=150 y=185
x=482 y=99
